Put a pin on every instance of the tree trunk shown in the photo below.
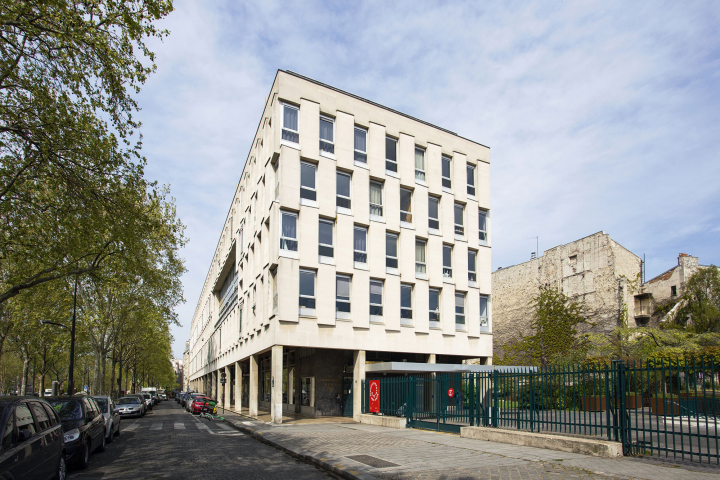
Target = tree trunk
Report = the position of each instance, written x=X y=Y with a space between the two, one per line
x=26 y=367
x=112 y=375
x=103 y=365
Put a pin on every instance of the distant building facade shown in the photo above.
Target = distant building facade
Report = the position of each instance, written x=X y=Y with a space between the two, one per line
x=596 y=270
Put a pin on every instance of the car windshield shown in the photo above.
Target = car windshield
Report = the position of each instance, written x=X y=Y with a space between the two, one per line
x=146 y=395
x=103 y=404
x=68 y=409
x=128 y=401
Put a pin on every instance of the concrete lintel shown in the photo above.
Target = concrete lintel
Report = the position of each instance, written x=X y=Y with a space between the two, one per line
x=585 y=446
x=420 y=368
x=383 y=421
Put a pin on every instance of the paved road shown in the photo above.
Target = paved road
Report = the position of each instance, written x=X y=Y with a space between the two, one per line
x=171 y=443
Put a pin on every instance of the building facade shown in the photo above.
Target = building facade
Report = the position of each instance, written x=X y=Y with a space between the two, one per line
x=595 y=270
x=357 y=234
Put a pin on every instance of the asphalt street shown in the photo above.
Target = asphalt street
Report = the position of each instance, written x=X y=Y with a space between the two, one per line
x=171 y=443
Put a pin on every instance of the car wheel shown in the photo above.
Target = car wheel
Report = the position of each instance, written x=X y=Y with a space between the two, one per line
x=109 y=436
x=62 y=468
x=101 y=448
x=84 y=461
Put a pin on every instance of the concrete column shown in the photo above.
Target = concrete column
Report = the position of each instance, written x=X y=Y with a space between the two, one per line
x=276 y=379
x=431 y=358
x=216 y=381
x=358 y=377
x=238 y=387
x=253 y=402
x=226 y=387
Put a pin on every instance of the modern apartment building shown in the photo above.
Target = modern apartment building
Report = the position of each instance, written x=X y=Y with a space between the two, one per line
x=357 y=235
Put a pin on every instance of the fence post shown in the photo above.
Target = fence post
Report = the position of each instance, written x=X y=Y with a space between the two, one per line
x=409 y=399
x=471 y=394
x=532 y=403
x=621 y=406
x=494 y=413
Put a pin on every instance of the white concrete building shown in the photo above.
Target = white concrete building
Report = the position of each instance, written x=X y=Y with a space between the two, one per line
x=356 y=234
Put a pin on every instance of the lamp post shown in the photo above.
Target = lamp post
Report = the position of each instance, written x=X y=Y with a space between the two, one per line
x=72 y=339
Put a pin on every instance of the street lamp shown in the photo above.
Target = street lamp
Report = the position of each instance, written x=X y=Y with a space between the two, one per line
x=72 y=339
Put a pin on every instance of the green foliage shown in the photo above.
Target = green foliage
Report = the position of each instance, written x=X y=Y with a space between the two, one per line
x=554 y=332
x=700 y=310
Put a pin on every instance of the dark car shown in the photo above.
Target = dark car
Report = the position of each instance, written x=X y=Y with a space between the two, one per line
x=83 y=425
x=32 y=440
x=130 y=407
x=111 y=415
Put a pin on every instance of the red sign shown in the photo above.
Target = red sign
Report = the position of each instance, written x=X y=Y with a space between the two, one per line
x=451 y=392
x=374 y=396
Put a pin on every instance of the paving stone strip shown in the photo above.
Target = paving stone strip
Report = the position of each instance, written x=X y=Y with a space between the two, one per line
x=405 y=454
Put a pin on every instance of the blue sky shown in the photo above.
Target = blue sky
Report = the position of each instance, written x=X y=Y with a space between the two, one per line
x=599 y=115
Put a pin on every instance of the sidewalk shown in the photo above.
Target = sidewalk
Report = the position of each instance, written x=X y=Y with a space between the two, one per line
x=353 y=450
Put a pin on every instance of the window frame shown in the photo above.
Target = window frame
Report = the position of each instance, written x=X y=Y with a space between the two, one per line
x=437 y=219
x=331 y=143
x=362 y=154
x=472 y=274
x=388 y=268
x=459 y=228
x=305 y=310
x=357 y=263
x=284 y=128
x=382 y=199
x=447 y=269
x=471 y=170
x=342 y=314
x=404 y=214
x=460 y=325
x=289 y=239
x=434 y=323
x=312 y=190
x=325 y=245
x=404 y=319
x=424 y=169
x=421 y=267
x=483 y=234
x=393 y=162
x=446 y=181
x=338 y=197
x=485 y=320
x=382 y=300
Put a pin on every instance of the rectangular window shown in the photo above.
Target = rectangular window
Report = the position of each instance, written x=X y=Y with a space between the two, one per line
x=307 y=181
x=673 y=291
x=484 y=318
x=447 y=261
x=405 y=205
x=482 y=227
x=288 y=233
x=459 y=217
x=434 y=307
x=471 y=180
x=327 y=144
x=273 y=277
x=419 y=164
x=325 y=237
x=446 y=182
x=376 y=199
x=290 y=124
x=472 y=268
x=360 y=145
x=391 y=244
x=406 y=304
x=420 y=266
x=307 y=292
x=342 y=296
x=376 y=298
x=343 y=190
x=460 y=310
x=360 y=245
x=240 y=313
x=434 y=213
x=390 y=154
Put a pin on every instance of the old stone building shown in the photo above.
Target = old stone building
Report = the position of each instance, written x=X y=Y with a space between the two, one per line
x=596 y=270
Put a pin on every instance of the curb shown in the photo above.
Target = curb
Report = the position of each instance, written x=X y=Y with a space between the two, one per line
x=325 y=465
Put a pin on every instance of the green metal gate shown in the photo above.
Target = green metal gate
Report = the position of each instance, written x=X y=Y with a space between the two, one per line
x=347 y=396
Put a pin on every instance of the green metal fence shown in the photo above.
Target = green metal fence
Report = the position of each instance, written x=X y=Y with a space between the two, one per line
x=668 y=408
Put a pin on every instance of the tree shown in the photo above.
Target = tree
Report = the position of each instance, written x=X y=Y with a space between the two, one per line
x=554 y=332
x=700 y=302
x=72 y=190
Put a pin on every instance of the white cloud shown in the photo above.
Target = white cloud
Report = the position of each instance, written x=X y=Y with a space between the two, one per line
x=600 y=115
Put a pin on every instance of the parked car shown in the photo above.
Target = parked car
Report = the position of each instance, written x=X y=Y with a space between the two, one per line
x=48 y=392
x=148 y=400
x=111 y=415
x=189 y=400
x=130 y=407
x=141 y=399
x=163 y=397
x=198 y=403
x=83 y=426
x=32 y=440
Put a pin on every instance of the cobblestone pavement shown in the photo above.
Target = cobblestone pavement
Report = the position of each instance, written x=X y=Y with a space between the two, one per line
x=366 y=452
x=171 y=443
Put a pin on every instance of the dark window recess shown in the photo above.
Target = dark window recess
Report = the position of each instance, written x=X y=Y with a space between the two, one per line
x=307 y=302
x=673 y=291
x=376 y=310
x=324 y=251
